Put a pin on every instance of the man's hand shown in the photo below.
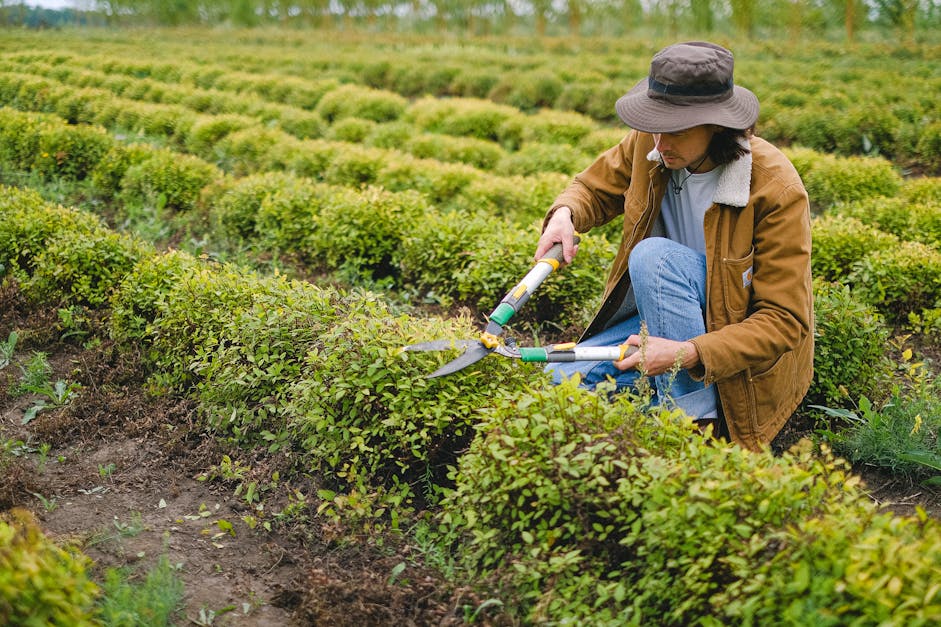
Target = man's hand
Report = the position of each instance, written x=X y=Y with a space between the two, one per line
x=559 y=229
x=660 y=355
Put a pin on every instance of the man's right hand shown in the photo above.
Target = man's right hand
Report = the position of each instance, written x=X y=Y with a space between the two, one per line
x=559 y=229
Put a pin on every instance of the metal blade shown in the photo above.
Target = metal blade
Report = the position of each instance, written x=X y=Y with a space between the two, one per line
x=441 y=345
x=472 y=355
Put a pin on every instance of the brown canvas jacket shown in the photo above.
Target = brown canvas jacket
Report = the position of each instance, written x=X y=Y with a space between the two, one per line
x=758 y=348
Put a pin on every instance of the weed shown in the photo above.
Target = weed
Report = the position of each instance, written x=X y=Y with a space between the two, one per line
x=34 y=374
x=55 y=395
x=48 y=504
x=43 y=456
x=7 y=348
x=153 y=601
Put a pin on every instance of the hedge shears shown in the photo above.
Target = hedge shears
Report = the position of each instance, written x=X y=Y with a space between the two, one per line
x=490 y=342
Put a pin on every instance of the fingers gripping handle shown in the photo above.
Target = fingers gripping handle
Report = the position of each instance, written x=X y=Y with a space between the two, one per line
x=518 y=296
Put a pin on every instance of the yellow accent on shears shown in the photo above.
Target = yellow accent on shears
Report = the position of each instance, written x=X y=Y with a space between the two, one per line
x=520 y=290
x=567 y=346
x=551 y=261
x=627 y=349
x=489 y=340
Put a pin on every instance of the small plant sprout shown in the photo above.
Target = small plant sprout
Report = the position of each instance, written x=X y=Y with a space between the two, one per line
x=7 y=348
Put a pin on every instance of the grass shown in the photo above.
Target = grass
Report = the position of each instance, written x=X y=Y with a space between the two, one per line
x=899 y=435
x=153 y=601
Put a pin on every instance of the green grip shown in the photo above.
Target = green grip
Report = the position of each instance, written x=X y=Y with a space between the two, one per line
x=502 y=314
x=533 y=354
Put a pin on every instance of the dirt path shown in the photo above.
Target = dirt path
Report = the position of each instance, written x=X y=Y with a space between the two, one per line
x=116 y=472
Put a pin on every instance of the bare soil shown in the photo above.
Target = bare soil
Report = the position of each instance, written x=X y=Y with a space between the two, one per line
x=121 y=480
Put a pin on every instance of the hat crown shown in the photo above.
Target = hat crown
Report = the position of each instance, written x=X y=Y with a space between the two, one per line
x=691 y=70
x=689 y=84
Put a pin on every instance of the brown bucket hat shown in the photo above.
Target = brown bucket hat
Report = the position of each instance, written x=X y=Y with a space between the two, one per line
x=689 y=84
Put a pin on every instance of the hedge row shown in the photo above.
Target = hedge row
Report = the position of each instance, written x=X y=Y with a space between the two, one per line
x=572 y=506
x=505 y=128
x=818 y=105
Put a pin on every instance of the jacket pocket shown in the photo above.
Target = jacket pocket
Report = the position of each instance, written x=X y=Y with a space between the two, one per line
x=736 y=285
x=772 y=388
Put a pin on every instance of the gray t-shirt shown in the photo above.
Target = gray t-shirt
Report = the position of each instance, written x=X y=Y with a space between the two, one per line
x=685 y=204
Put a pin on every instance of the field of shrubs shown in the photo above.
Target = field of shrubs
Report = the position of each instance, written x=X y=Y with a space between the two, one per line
x=269 y=217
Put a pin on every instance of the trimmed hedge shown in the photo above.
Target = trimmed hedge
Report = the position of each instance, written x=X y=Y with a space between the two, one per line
x=41 y=583
x=830 y=179
x=583 y=510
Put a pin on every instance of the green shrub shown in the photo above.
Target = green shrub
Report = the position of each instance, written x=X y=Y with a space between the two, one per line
x=907 y=219
x=83 y=269
x=168 y=179
x=362 y=232
x=593 y=98
x=19 y=139
x=520 y=199
x=200 y=301
x=287 y=217
x=371 y=421
x=528 y=91
x=471 y=151
x=583 y=510
x=440 y=182
x=928 y=147
x=28 y=223
x=361 y=102
x=852 y=567
x=899 y=280
x=311 y=158
x=922 y=190
x=867 y=129
x=438 y=248
x=301 y=124
x=136 y=302
x=354 y=166
x=596 y=142
x=534 y=158
x=465 y=117
x=40 y=583
x=840 y=241
x=390 y=134
x=830 y=179
x=851 y=358
x=244 y=379
x=206 y=133
x=472 y=82
x=70 y=152
x=234 y=206
x=252 y=149
x=354 y=130
x=108 y=173
x=546 y=126
x=497 y=263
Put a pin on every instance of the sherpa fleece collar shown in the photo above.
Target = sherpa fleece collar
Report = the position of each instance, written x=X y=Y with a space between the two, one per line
x=734 y=185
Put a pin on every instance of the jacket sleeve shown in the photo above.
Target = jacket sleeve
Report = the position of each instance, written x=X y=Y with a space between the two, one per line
x=596 y=195
x=780 y=310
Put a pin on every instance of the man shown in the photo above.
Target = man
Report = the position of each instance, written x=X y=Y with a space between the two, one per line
x=715 y=255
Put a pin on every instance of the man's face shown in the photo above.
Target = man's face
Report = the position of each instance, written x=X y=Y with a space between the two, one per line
x=686 y=148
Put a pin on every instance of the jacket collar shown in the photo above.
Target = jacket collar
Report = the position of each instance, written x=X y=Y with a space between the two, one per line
x=734 y=185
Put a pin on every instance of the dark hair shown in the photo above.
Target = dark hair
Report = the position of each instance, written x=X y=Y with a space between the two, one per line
x=727 y=146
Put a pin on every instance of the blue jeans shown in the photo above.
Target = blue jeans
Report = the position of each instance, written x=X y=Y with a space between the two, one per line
x=669 y=282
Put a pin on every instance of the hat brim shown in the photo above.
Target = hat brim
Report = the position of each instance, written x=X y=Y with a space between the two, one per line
x=642 y=113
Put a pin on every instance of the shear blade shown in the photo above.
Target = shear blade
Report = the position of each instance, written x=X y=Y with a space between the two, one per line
x=473 y=354
x=442 y=345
